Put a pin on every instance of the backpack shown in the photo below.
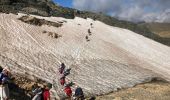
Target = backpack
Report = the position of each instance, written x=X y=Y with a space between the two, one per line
x=2 y=77
x=68 y=91
x=39 y=94
x=79 y=92
x=67 y=72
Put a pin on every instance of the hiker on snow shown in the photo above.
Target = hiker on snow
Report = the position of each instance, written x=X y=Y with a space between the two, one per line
x=62 y=80
x=61 y=69
x=79 y=95
x=46 y=91
x=4 y=80
x=67 y=72
x=68 y=91
x=37 y=92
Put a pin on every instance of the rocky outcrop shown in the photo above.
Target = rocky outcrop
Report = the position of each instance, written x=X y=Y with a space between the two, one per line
x=36 y=7
x=25 y=6
x=39 y=22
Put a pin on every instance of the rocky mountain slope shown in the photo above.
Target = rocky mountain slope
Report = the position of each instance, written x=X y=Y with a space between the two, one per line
x=36 y=7
x=103 y=60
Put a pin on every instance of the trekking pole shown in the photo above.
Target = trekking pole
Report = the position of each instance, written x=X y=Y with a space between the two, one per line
x=2 y=93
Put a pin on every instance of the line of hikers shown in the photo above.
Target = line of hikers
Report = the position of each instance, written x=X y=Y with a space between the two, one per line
x=42 y=92
x=78 y=95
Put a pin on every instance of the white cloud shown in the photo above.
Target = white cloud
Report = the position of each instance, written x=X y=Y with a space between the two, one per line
x=131 y=10
x=131 y=14
x=97 y=5
x=164 y=17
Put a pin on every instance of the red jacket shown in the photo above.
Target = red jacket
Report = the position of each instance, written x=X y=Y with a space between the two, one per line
x=46 y=95
x=68 y=91
x=62 y=81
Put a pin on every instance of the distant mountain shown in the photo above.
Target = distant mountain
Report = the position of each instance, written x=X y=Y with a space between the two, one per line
x=161 y=29
x=161 y=32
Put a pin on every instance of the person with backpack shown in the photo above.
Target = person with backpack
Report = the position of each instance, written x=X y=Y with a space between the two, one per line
x=37 y=92
x=62 y=80
x=89 y=31
x=62 y=67
x=67 y=72
x=4 y=80
x=46 y=91
x=79 y=95
x=68 y=91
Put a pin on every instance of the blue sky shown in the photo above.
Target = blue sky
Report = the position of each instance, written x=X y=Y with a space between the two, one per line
x=65 y=3
x=131 y=10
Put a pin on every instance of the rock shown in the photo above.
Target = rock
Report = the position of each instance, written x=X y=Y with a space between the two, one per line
x=38 y=22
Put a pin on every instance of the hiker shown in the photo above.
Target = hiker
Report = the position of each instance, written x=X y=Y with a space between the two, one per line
x=62 y=80
x=68 y=91
x=79 y=95
x=46 y=92
x=62 y=67
x=37 y=92
x=87 y=38
x=67 y=72
x=4 y=80
x=89 y=31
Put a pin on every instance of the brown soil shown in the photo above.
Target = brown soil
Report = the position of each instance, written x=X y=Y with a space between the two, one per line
x=149 y=91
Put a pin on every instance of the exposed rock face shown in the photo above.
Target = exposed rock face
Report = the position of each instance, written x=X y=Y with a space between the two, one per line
x=37 y=7
x=39 y=22
x=26 y=6
x=114 y=58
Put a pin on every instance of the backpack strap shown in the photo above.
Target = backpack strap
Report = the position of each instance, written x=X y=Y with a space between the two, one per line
x=1 y=77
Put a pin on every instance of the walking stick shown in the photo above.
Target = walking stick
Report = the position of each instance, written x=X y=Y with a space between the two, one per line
x=2 y=93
